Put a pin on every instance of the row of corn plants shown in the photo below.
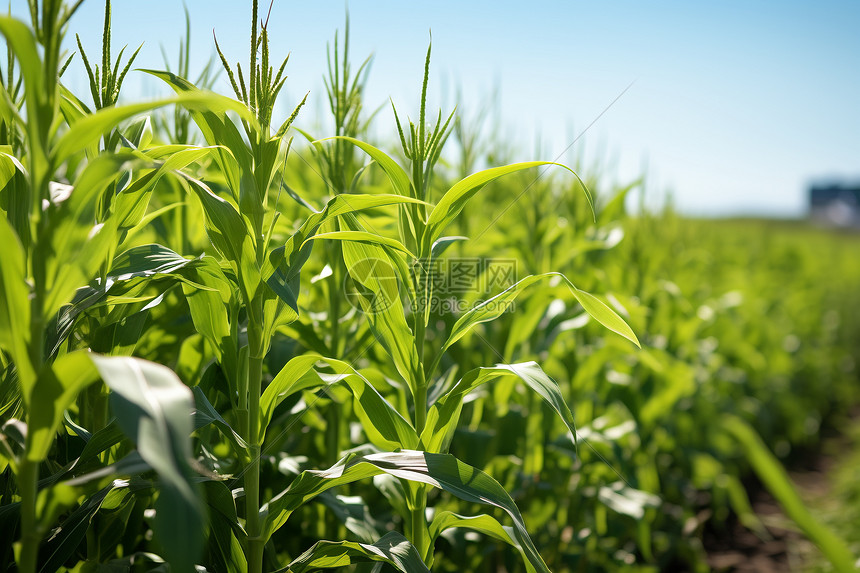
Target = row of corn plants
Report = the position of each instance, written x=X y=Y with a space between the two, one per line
x=228 y=343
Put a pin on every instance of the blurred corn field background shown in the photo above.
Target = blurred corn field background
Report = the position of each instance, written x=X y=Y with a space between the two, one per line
x=232 y=341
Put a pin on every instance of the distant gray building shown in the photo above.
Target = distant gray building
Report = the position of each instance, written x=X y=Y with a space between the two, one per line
x=835 y=205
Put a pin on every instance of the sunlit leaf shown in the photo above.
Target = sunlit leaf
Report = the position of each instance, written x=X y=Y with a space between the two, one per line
x=392 y=548
x=155 y=408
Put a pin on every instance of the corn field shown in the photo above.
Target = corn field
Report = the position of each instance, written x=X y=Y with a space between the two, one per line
x=230 y=344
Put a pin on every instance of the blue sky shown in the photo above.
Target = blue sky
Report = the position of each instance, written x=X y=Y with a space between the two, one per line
x=735 y=106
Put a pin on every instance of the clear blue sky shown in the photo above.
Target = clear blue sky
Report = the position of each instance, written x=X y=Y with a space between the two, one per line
x=736 y=106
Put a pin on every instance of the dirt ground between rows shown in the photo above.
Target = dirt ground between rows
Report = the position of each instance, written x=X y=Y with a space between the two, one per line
x=739 y=550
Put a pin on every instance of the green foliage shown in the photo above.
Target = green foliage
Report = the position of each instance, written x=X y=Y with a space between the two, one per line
x=224 y=356
x=106 y=82
x=773 y=475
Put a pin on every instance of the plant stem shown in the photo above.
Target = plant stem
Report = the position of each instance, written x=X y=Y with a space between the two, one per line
x=420 y=536
x=420 y=408
x=28 y=474
x=336 y=258
x=242 y=390
x=252 y=516
x=28 y=479
x=252 y=477
x=420 y=385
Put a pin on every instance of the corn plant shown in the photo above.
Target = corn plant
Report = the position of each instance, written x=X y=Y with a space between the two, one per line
x=269 y=297
x=379 y=265
x=187 y=382
x=263 y=283
x=179 y=130
x=106 y=82
x=340 y=170
x=55 y=249
x=10 y=134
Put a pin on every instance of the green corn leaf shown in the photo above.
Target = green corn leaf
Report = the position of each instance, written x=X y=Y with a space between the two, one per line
x=526 y=319
x=615 y=208
x=295 y=376
x=152 y=562
x=488 y=526
x=362 y=237
x=773 y=475
x=55 y=390
x=680 y=381
x=235 y=160
x=443 y=471
x=133 y=267
x=276 y=312
x=494 y=307
x=64 y=544
x=282 y=268
x=39 y=115
x=77 y=268
x=384 y=426
x=398 y=177
x=394 y=491
x=76 y=248
x=308 y=485
x=214 y=312
x=355 y=515
x=266 y=169
x=15 y=306
x=9 y=111
x=371 y=267
x=399 y=180
x=603 y=314
x=445 y=412
x=90 y=128
x=224 y=548
x=76 y=428
x=453 y=201
x=402 y=267
x=15 y=197
x=74 y=109
x=219 y=497
x=206 y=414
x=217 y=129
x=441 y=244
x=139 y=133
x=130 y=204
x=462 y=480
x=626 y=500
x=145 y=261
x=56 y=497
x=142 y=225
x=154 y=408
x=392 y=548
x=100 y=441
x=229 y=235
x=120 y=333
